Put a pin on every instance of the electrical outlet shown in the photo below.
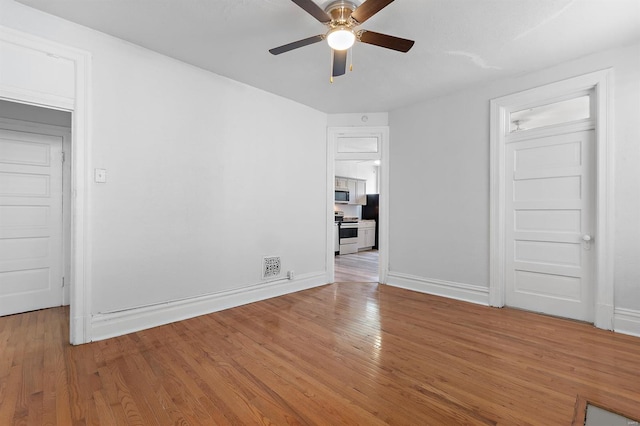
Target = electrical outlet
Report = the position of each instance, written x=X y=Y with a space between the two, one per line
x=290 y=274
x=100 y=175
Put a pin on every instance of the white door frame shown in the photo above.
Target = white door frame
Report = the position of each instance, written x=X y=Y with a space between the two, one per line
x=31 y=90
x=601 y=83
x=382 y=133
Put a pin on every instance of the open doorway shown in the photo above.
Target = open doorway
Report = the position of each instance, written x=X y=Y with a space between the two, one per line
x=357 y=221
x=356 y=214
x=35 y=219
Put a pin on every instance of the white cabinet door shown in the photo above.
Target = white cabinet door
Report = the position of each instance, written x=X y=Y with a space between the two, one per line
x=352 y=191
x=30 y=221
x=370 y=237
x=361 y=192
x=341 y=183
x=361 y=239
x=366 y=235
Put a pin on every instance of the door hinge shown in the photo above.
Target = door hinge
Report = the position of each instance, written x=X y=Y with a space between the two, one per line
x=63 y=156
x=62 y=281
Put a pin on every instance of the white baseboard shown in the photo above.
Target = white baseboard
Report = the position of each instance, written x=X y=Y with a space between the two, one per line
x=112 y=324
x=626 y=321
x=452 y=290
x=604 y=316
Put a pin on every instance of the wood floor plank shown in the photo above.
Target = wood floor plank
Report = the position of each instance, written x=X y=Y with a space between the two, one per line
x=109 y=394
x=353 y=368
x=349 y=353
x=202 y=385
x=319 y=399
x=103 y=409
x=305 y=363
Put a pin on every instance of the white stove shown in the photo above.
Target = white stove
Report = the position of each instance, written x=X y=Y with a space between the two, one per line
x=348 y=232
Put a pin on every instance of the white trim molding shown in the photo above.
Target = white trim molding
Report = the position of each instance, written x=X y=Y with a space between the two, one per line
x=331 y=186
x=627 y=321
x=601 y=82
x=112 y=324
x=37 y=88
x=459 y=291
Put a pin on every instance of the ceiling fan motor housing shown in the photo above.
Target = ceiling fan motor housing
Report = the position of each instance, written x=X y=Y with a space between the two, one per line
x=340 y=13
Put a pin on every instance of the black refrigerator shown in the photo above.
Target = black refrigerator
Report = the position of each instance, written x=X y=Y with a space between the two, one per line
x=370 y=211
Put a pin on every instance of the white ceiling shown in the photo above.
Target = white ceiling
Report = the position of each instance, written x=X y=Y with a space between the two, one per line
x=459 y=43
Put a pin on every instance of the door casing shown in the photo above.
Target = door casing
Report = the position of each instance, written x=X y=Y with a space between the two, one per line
x=382 y=133
x=34 y=92
x=601 y=83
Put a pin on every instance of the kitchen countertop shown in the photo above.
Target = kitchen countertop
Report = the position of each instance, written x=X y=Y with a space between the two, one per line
x=366 y=221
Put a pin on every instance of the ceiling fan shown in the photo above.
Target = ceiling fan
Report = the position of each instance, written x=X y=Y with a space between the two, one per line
x=343 y=18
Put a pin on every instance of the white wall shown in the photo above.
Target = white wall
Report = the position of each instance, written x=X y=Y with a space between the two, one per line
x=369 y=171
x=201 y=174
x=350 y=210
x=439 y=178
x=347 y=168
x=358 y=119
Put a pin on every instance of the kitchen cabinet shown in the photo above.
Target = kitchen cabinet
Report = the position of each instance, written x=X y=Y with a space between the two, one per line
x=357 y=189
x=342 y=183
x=361 y=192
x=366 y=234
x=369 y=237
x=352 y=191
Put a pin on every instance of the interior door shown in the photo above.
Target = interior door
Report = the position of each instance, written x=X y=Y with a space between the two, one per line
x=30 y=221
x=549 y=222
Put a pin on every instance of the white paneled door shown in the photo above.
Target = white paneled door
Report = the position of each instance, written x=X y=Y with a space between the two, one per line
x=549 y=224
x=31 y=258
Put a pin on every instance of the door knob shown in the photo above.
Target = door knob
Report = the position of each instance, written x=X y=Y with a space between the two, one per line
x=586 y=238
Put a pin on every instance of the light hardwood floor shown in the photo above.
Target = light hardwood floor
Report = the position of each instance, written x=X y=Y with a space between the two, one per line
x=338 y=354
x=357 y=267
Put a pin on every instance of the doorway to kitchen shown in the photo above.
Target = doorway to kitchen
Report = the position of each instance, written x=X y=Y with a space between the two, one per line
x=357 y=183
x=357 y=217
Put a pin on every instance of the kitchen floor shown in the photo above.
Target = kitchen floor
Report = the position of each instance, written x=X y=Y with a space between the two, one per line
x=357 y=267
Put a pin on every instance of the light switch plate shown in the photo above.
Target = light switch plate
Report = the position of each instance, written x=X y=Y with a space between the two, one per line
x=100 y=175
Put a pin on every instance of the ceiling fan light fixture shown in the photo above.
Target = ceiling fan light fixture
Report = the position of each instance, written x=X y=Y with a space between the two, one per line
x=341 y=38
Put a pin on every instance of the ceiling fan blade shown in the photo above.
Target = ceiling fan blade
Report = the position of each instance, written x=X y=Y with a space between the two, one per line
x=296 y=44
x=383 y=40
x=314 y=10
x=339 y=62
x=369 y=8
